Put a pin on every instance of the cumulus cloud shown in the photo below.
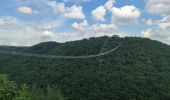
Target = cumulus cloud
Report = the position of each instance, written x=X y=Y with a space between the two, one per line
x=81 y=26
x=48 y=26
x=149 y=22
x=164 y=23
x=22 y=35
x=15 y=32
x=147 y=33
x=104 y=28
x=125 y=13
x=159 y=28
x=25 y=33
x=158 y=7
x=157 y=34
x=7 y=20
x=76 y=0
x=161 y=32
x=45 y=26
x=95 y=28
x=109 y=4
x=56 y=7
x=48 y=34
x=74 y=12
x=99 y=13
x=86 y=30
x=19 y=36
x=25 y=10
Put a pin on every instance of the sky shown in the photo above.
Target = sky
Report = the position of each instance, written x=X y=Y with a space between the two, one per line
x=28 y=22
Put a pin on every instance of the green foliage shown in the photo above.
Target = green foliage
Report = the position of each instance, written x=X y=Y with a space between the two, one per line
x=138 y=70
x=37 y=93
x=23 y=93
x=53 y=93
x=8 y=89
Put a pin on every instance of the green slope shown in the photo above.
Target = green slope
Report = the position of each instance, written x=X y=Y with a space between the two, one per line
x=138 y=70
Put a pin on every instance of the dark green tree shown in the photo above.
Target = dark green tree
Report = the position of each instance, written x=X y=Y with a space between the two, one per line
x=53 y=93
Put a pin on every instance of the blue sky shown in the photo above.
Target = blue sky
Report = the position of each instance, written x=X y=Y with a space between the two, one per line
x=28 y=22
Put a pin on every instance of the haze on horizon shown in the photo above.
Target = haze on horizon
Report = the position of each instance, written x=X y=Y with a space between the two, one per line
x=28 y=22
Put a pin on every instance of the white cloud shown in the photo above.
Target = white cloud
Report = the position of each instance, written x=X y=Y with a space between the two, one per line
x=76 y=0
x=56 y=7
x=160 y=28
x=81 y=26
x=46 y=29
x=109 y=4
x=78 y=35
x=20 y=36
x=164 y=23
x=149 y=22
x=25 y=10
x=104 y=28
x=48 y=26
x=45 y=26
x=68 y=36
x=147 y=33
x=126 y=13
x=84 y=26
x=48 y=34
x=24 y=36
x=158 y=7
x=74 y=12
x=85 y=30
x=15 y=32
x=99 y=13
x=160 y=31
x=61 y=7
x=157 y=34
x=7 y=20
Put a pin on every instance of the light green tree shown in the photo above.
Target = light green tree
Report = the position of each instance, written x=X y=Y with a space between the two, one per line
x=8 y=89
x=23 y=93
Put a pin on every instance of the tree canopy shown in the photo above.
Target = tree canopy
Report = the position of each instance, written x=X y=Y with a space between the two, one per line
x=138 y=70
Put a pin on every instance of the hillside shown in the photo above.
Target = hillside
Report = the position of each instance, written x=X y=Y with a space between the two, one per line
x=138 y=70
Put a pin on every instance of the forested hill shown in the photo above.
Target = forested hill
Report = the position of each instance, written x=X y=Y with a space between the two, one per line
x=138 y=70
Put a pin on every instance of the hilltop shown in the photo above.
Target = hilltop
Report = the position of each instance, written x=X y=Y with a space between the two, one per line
x=138 y=70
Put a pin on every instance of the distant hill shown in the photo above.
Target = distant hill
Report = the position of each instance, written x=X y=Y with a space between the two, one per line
x=138 y=70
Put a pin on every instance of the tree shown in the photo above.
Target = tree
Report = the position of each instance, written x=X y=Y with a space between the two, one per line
x=8 y=89
x=23 y=93
x=37 y=93
x=53 y=93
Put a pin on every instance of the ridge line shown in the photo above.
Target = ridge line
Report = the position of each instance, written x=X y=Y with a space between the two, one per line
x=60 y=57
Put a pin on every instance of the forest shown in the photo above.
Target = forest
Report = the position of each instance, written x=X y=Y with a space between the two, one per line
x=138 y=70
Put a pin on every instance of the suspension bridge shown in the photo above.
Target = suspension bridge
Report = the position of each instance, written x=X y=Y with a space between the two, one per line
x=59 y=56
